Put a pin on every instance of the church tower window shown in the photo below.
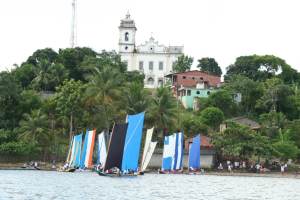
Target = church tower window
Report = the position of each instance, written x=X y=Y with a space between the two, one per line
x=126 y=36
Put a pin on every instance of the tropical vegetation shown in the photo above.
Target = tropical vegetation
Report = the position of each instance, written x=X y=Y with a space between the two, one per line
x=53 y=95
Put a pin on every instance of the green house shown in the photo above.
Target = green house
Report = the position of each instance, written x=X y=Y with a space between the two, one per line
x=189 y=97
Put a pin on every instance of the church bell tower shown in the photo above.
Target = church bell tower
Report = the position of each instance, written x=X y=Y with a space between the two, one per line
x=127 y=32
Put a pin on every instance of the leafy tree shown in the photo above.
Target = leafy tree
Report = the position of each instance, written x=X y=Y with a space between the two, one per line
x=223 y=100
x=72 y=59
x=212 y=117
x=256 y=67
x=250 y=91
x=135 y=76
x=285 y=148
x=47 y=54
x=272 y=122
x=29 y=100
x=210 y=66
x=9 y=99
x=103 y=59
x=193 y=125
x=183 y=64
x=278 y=97
x=69 y=101
x=241 y=142
x=24 y=74
x=289 y=75
x=294 y=131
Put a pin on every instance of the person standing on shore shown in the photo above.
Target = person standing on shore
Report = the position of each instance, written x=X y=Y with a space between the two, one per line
x=282 y=169
x=230 y=168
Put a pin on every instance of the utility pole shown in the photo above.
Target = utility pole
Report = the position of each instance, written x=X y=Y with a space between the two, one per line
x=73 y=25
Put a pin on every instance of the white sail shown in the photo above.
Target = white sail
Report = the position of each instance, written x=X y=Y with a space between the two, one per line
x=149 y=155
x=102 y=153
x=147 y=143
x=71 y=157
x=148 y=149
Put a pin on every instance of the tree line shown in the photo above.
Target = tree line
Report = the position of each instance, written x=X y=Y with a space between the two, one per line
x=53 y=95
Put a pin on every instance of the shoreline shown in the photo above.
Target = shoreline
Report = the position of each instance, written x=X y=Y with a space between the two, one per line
x=47 y=167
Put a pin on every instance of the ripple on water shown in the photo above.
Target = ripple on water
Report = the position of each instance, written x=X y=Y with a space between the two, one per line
x=59 y=186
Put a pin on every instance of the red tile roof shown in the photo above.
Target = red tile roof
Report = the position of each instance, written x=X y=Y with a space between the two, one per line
x=205 y=142
x=193 y=77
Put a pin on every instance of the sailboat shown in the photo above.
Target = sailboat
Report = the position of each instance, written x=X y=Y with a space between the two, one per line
x=172 y=154
x=74 y=154
x=133 y=143
x=87 y=150
x=148 y=150
x=102 y=153
x=124 y=147
x=115 y=151
x=194 y=154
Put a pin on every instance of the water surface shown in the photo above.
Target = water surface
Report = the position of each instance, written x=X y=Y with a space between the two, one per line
x=88 y=185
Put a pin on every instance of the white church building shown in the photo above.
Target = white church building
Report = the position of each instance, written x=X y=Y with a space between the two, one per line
x=151 y=58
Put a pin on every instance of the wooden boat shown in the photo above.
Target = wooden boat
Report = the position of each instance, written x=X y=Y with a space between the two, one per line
x=170 y=172
x=67 y=170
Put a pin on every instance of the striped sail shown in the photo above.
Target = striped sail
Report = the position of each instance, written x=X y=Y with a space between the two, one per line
x=101 y=149
x=133 y=142
x=194 y=153
x=168 y=152
x=148 y=149
x=178 y=157
x=76 y=151
x=173 y=152
x=88 y=148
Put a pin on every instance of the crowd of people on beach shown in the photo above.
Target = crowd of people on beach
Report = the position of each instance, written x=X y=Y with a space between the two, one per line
x=252 y=167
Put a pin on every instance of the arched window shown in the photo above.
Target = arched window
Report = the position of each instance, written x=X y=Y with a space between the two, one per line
x=126 y=36
x=150 y=81
x=160 y=82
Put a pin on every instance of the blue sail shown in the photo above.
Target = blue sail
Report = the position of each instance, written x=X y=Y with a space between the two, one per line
x=77 y=150
x=133 y=142
x=178 y=156
x=194 y=153
x=83 y=154
x=169 y=151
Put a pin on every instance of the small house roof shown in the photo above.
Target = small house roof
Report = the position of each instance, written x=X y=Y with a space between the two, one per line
x=246 y=122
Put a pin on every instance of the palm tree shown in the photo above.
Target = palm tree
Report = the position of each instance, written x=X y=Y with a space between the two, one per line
x=137 y=98
x=104 y=92
x=34 y=129
x=163 y=109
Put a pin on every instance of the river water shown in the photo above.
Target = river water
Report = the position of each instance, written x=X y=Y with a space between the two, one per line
x=32 y=185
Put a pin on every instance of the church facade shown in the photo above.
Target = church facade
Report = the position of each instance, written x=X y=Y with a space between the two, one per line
x=151 y=58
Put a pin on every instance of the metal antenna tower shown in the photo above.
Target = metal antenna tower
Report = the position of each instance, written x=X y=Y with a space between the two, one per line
x=73 y=25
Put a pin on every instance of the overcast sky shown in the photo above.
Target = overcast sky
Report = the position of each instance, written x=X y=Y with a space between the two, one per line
x=223 y=29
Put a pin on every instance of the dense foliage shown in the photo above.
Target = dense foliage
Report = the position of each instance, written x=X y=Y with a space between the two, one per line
x=54 y=95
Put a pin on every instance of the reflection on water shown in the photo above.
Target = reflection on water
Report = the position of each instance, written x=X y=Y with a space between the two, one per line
x=88 y=185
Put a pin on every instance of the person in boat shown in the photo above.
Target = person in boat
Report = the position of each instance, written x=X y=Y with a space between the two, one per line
x=66 y=166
